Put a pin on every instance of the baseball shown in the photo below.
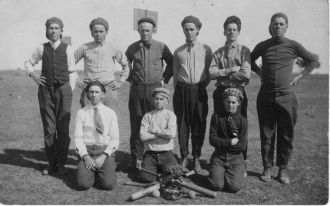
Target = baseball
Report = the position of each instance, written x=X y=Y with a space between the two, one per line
x=192 y=194
x=156 y=193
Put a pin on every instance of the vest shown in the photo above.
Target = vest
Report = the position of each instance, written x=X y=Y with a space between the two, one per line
x=55 y=64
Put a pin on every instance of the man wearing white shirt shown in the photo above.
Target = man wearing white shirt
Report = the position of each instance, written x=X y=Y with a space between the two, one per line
x=158 y=128
x=56 y=83
x=96 y=140
x=100 y=57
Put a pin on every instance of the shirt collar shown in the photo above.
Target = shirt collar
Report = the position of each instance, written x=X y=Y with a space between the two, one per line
x=99 y=106
x=55 y=44
x=146 y=43
x=231 y=44
x=100 y=44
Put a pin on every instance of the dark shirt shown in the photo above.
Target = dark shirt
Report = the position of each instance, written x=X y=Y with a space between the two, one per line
x=148 y=62
x=221 y=134
x=278 y=57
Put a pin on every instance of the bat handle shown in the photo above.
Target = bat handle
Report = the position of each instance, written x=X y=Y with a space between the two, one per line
x=144 y=192
x=197 y=188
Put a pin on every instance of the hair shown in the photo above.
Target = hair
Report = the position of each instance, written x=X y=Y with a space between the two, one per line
x=232 y=20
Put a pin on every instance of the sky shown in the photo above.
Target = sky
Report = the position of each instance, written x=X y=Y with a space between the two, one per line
x=22 y=23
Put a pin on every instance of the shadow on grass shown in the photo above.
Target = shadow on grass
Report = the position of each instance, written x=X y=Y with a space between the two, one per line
x=36 y=159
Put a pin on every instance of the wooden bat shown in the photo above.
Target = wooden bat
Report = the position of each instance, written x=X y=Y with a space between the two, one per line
x=144 y=192
x=138 y=184
x=196 y=188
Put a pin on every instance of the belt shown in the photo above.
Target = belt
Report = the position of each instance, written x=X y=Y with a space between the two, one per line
x=184 y=84
x=95 y=149
x=157 y=152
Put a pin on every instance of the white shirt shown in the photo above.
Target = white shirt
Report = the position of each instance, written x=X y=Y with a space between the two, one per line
x=164 y=123
x=86 y=134
x=36 y=56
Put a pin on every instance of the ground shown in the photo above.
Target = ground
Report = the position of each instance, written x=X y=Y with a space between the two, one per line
x=22 y=156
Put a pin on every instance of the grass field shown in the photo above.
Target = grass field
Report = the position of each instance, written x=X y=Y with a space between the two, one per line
x=22 y=156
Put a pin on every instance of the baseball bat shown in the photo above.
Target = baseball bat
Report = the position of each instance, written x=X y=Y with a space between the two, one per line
x=196 y=188
x=144 y=192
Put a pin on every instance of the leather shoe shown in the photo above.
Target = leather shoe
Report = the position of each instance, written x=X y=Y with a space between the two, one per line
x=266 y=175
x=62 y=170
x=197 y=165
x=48 y=170
x=184 y=162
x=283 y=176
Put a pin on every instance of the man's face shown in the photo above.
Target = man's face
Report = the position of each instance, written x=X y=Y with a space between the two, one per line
x=231 y=32
x=145 y=30
x=159 y=101
x=278 y=27
x=95 y=95
x=190 y=31
x=54 y=32
x=99 y=33
x=231 y=104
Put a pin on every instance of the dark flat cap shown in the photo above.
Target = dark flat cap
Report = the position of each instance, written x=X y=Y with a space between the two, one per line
x=55 y=20
x=192 y=19
x=95 y=83
x=162 y=91
x=147 y=19
x=100 y=21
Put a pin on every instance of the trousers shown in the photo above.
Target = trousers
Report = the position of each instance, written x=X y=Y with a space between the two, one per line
x=156 y=162
x=227 y=171
x=277 y=114
x=103 y=178
x=191 y=108
x=55 y=106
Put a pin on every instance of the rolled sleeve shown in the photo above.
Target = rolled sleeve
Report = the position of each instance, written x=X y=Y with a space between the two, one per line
x=33 y=59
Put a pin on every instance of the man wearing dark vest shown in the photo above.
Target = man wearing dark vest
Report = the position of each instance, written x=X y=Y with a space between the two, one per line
x=147 y=57
x=56 y=83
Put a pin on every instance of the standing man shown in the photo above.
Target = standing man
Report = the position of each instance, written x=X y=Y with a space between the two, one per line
x=276 y=101
x=54 y=93
x=99 y=63
x=190 y=79
x=147 y=56
x=231 y=67
x=96 y=140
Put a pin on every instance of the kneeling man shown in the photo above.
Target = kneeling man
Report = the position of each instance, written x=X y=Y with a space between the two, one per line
x=158 y=128
x=96 y=140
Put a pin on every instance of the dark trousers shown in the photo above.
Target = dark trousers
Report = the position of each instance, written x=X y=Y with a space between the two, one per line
x=140 y=102
x=156 y=162
x=103 y=178
x=219 y=106
x=277 y=113
x=227 y=171
x=191 y=108
x=55 y=105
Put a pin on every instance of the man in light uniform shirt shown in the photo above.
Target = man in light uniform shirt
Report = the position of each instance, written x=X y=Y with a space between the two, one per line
x=99 y=63
x=158 y=128
x=190 y=78
x=96 y=140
